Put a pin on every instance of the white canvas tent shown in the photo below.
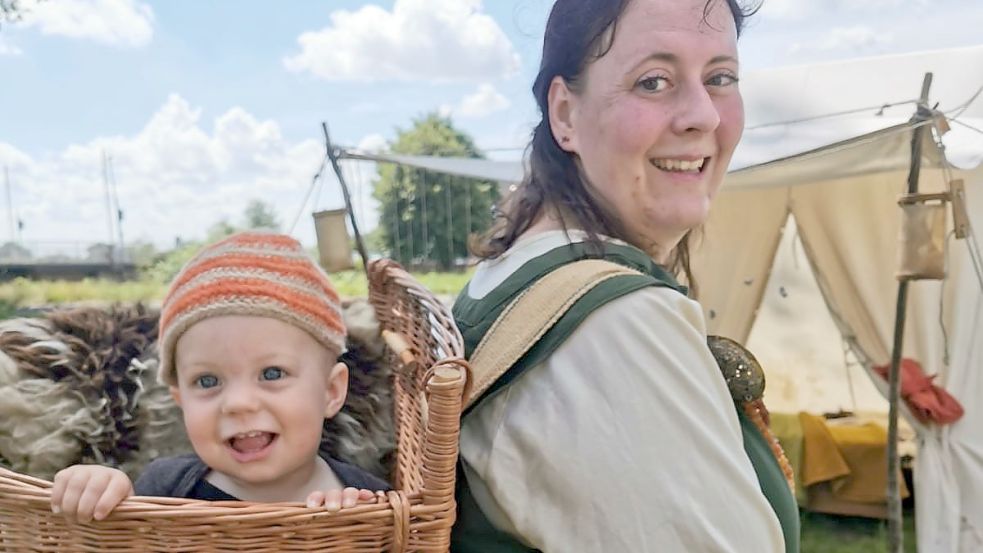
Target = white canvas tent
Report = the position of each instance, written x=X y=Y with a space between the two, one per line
x=839 y=178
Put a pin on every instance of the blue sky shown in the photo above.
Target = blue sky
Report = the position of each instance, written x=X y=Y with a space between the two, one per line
x=206 y=105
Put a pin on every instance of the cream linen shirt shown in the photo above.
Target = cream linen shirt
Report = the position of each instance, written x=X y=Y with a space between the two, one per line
x=624 y=440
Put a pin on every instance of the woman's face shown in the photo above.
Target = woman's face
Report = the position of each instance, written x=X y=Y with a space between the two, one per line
x=656 y=119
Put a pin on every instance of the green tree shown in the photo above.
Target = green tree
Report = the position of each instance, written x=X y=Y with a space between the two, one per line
x=220 y=230
x=260 y=214
x=141 y=253
x=427 y=217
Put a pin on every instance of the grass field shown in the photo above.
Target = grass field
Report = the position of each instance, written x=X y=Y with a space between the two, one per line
x=835 y=534
x=22 y=293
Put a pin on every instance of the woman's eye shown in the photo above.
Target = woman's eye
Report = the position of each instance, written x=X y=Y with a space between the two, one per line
x=653 y=84
x=272 y=373
x=722 y=79
x=206 y=381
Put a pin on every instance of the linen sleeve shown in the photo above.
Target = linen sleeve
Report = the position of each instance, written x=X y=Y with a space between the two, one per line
x=624 y=439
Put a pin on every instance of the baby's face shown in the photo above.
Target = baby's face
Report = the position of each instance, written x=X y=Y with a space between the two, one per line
x=255 y=392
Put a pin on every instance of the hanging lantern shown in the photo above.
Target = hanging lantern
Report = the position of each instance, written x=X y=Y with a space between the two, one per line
x=921 y=250
x=333 y=244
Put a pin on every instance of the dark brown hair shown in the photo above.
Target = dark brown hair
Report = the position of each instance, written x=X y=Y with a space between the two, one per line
x=577 y=33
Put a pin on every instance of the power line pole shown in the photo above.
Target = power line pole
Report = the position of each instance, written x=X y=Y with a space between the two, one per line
x=109 y=208
x=10 y=206
x=111 y=173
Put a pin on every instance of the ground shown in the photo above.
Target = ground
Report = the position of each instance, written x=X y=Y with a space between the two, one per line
x=837 y=534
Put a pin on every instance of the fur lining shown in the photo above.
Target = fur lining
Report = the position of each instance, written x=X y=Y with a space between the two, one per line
x=80 y=385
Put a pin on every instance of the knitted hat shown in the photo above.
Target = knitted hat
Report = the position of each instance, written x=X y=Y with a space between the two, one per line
x=250 y=273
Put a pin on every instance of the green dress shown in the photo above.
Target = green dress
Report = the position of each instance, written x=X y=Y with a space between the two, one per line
x=472 y=531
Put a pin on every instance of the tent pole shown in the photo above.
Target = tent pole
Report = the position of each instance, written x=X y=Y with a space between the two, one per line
x=348 y=199
x=895 y=536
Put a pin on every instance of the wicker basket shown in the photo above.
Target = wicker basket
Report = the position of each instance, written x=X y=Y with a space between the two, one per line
x=430 y=377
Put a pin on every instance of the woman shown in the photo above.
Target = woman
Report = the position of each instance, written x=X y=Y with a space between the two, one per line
x=616 y=432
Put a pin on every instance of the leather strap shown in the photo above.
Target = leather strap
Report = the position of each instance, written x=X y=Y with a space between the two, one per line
x=530 y=316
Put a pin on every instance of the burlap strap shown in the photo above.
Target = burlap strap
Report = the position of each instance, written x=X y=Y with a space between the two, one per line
x=531 y=315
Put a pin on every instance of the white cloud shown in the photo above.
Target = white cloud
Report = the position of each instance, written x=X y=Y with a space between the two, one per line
x=866 y=5
x=417 y=40
x=373 y=143
x=113 y=22
x=14 y=159
x=176 y=177
x=801 y=10
x=484 y=101
x=789 y=9
x=8 y=49
x=858 y=38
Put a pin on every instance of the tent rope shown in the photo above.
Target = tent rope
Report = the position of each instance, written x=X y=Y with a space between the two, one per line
x=880 y=111
x=967 y=125
x=955 y=112
x=945 y=333
x=424 y=186
x=845 y=346
x=972 y=243
x=958 y=110
x=307 y=196
x=360 y=190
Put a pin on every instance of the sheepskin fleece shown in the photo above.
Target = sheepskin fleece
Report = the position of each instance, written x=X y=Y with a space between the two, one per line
x=79 y=385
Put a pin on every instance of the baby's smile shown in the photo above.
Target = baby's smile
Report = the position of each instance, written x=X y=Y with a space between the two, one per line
x=251 y=446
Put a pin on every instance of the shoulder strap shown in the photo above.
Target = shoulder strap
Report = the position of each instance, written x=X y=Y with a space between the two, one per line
x=530 y=315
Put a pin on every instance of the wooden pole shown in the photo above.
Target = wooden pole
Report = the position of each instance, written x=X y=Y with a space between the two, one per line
x=895 y=535
x=348 y=199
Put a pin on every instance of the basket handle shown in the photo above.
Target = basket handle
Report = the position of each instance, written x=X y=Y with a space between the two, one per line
x=445 y=384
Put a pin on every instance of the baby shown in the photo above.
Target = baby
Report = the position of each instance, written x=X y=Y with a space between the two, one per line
x=250 y=334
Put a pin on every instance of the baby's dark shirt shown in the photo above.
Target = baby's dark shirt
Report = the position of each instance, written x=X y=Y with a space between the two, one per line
x=184 y=476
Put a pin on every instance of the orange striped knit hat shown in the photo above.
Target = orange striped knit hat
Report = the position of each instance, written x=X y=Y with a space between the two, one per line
x=250 y=273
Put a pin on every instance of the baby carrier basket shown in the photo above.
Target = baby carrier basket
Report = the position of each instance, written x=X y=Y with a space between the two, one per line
x=426 y=353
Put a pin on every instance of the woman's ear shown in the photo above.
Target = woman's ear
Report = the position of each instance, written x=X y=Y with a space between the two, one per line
x=561 y=102
x=175 y=394
x=336 y=389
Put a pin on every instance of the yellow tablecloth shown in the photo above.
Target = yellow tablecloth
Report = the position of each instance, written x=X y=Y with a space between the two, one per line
x=851 y=457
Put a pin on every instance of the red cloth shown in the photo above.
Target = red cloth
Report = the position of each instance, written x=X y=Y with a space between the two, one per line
x=928 y=402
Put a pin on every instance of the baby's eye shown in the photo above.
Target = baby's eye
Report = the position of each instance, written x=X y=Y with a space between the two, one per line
x=272 y=373
x=206 y=381
x=653 y=84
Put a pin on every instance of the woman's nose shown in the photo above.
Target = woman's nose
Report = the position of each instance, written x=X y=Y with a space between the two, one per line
x=695 y=111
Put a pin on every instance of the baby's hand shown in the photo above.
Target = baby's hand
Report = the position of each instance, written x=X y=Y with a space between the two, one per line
x=334 y=500
x=84 y=492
